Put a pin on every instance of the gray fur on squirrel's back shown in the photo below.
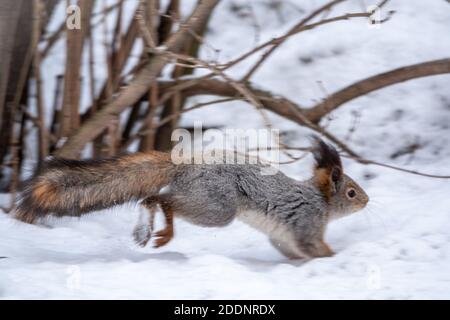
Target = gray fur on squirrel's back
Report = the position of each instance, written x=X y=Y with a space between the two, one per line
x=213 y=195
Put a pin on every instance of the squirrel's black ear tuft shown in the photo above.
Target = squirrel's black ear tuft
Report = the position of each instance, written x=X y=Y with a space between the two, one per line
x=325 y=155
x=328 y=172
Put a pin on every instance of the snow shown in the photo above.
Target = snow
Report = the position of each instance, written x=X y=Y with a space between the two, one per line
x=397 y=248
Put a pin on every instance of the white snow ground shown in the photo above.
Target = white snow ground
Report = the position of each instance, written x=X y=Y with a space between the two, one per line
x=398 y=248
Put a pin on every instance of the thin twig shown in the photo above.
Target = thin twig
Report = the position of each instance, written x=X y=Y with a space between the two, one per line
x=143 y=131
x=303 y=26
x=366 y=162
x=146 y=34
x=38 y=8
x=418 y=173
x=303 y=22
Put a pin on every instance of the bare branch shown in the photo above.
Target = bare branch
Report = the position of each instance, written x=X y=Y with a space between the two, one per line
x=145 y=131
x=146 y=34
x=286 y=108
x=70 y=119
x=376 y=82
x=38 y=9
x=418 y=173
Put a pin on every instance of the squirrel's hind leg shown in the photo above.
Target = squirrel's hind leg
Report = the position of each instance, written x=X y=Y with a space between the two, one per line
x=165 y=235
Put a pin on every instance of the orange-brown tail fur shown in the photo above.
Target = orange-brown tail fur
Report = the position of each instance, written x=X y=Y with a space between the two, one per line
x=75 y=187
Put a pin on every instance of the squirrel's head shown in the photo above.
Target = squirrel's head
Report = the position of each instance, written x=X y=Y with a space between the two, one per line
x=343 y=195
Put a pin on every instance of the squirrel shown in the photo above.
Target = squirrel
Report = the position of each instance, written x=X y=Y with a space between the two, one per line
x=294 y=214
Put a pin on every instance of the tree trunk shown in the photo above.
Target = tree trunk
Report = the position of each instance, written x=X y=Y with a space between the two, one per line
x=70 y=119
x=16 y=23
x=13 y=49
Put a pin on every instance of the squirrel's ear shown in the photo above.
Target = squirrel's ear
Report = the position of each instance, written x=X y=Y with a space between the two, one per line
x=328 y=170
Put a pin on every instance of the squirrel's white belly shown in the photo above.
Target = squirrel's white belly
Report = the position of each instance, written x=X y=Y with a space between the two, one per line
x=281 y=237
x=262 y=222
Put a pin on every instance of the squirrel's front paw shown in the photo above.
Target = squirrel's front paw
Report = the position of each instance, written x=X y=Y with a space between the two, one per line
x=142 y=235
x=317 y=249
x=328 y=253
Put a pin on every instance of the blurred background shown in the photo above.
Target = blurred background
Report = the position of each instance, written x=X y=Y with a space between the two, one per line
x=97 y=78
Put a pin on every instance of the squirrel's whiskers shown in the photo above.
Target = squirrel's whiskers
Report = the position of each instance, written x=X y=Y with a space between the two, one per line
x=370 y=210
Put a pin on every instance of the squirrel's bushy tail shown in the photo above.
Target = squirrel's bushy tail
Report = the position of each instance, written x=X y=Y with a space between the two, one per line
x=75 y=187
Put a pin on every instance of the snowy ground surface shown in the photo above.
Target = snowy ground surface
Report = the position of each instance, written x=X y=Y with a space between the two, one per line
x=399 y=247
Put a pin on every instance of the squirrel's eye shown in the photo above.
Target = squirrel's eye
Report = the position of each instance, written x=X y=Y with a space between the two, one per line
x=351 y=193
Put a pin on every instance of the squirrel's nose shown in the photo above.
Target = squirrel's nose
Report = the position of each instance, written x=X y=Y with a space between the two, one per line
x=366 y=199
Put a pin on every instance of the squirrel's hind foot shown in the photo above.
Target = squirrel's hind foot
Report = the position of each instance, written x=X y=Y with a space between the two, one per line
x=163 y=237
x=143 y=231
x=142 y=235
